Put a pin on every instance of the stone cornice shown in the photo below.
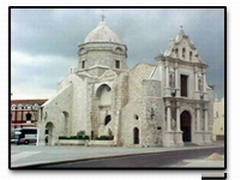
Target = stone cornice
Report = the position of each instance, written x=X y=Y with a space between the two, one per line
x=101 y=48
x=181 y=62
x=112 y=43
x=181 y=99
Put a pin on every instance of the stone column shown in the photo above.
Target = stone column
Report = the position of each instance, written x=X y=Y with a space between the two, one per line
x=198 y=137
x=205 y=119
x=207 y=134
x=198 y=117
x=204 y=82
x=169 y=135
x=196 y=81
x=178 y=117
x=178 y=133
x=167 y=77
x=196 y=78
x=176 y=81
x=197 y=92
x=168 y=104
x=176 y=78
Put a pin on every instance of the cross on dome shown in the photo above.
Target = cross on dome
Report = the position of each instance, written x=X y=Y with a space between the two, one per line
x=102 y=33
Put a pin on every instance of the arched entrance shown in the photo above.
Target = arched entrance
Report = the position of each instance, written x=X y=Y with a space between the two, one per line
x=186 y=126
x=104 y=95
x=103 y=109
x=49 y=134
x=135 y=136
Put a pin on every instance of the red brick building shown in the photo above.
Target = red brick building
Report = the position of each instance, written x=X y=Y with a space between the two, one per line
x=24 y=113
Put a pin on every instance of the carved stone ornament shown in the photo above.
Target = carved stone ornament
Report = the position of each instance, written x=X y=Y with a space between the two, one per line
x=45 y=115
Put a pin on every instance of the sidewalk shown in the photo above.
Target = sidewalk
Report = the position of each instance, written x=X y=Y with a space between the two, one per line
x=34 y=155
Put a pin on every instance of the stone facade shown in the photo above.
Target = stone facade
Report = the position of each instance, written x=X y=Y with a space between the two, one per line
x=168 y=103
x=218 y=120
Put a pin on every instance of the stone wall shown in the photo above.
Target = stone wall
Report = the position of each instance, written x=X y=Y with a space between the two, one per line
x=79 y=121
x=152 y=123
x=53 y=114
x=120 y=99
x=143 y=93
x=136 y=75
x=103 y=54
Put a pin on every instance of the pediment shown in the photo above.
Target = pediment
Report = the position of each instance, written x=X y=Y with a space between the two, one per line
x=86 y=74
x=109 y=74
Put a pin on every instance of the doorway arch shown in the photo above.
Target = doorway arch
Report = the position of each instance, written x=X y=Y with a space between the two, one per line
x=49 y=133
x=185 y=118
x=135 y=135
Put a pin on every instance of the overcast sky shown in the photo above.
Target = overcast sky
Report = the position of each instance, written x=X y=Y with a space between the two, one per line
x=44 y=42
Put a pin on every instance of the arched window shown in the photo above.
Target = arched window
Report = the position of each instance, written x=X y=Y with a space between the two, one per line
x=20 y=106
x=183 y=52
x=118 y=49
x=65 y=115
x=13 y=106
x=65 y=121
x=190 y=55
x=117 y=64
x=49 y=136
x=82 y=50
x=28 y=116
x=184 y=85
x=176 y=52
x=83 y=64
x=136 y=117
x=107 y=119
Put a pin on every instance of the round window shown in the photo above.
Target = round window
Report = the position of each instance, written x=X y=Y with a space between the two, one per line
x=136 y=117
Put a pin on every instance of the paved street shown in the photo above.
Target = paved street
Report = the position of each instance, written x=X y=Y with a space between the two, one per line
x=195 y=158
x=34 y=155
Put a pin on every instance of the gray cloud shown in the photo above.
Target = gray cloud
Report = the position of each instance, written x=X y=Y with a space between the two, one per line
x=56 y=33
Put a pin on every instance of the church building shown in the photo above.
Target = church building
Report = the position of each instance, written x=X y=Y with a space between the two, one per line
x=168 y=103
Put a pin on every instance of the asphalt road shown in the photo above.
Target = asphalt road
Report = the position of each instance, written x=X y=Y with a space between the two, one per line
x=154 y=160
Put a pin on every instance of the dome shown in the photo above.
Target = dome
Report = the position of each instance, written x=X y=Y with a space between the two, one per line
x=102 y=33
